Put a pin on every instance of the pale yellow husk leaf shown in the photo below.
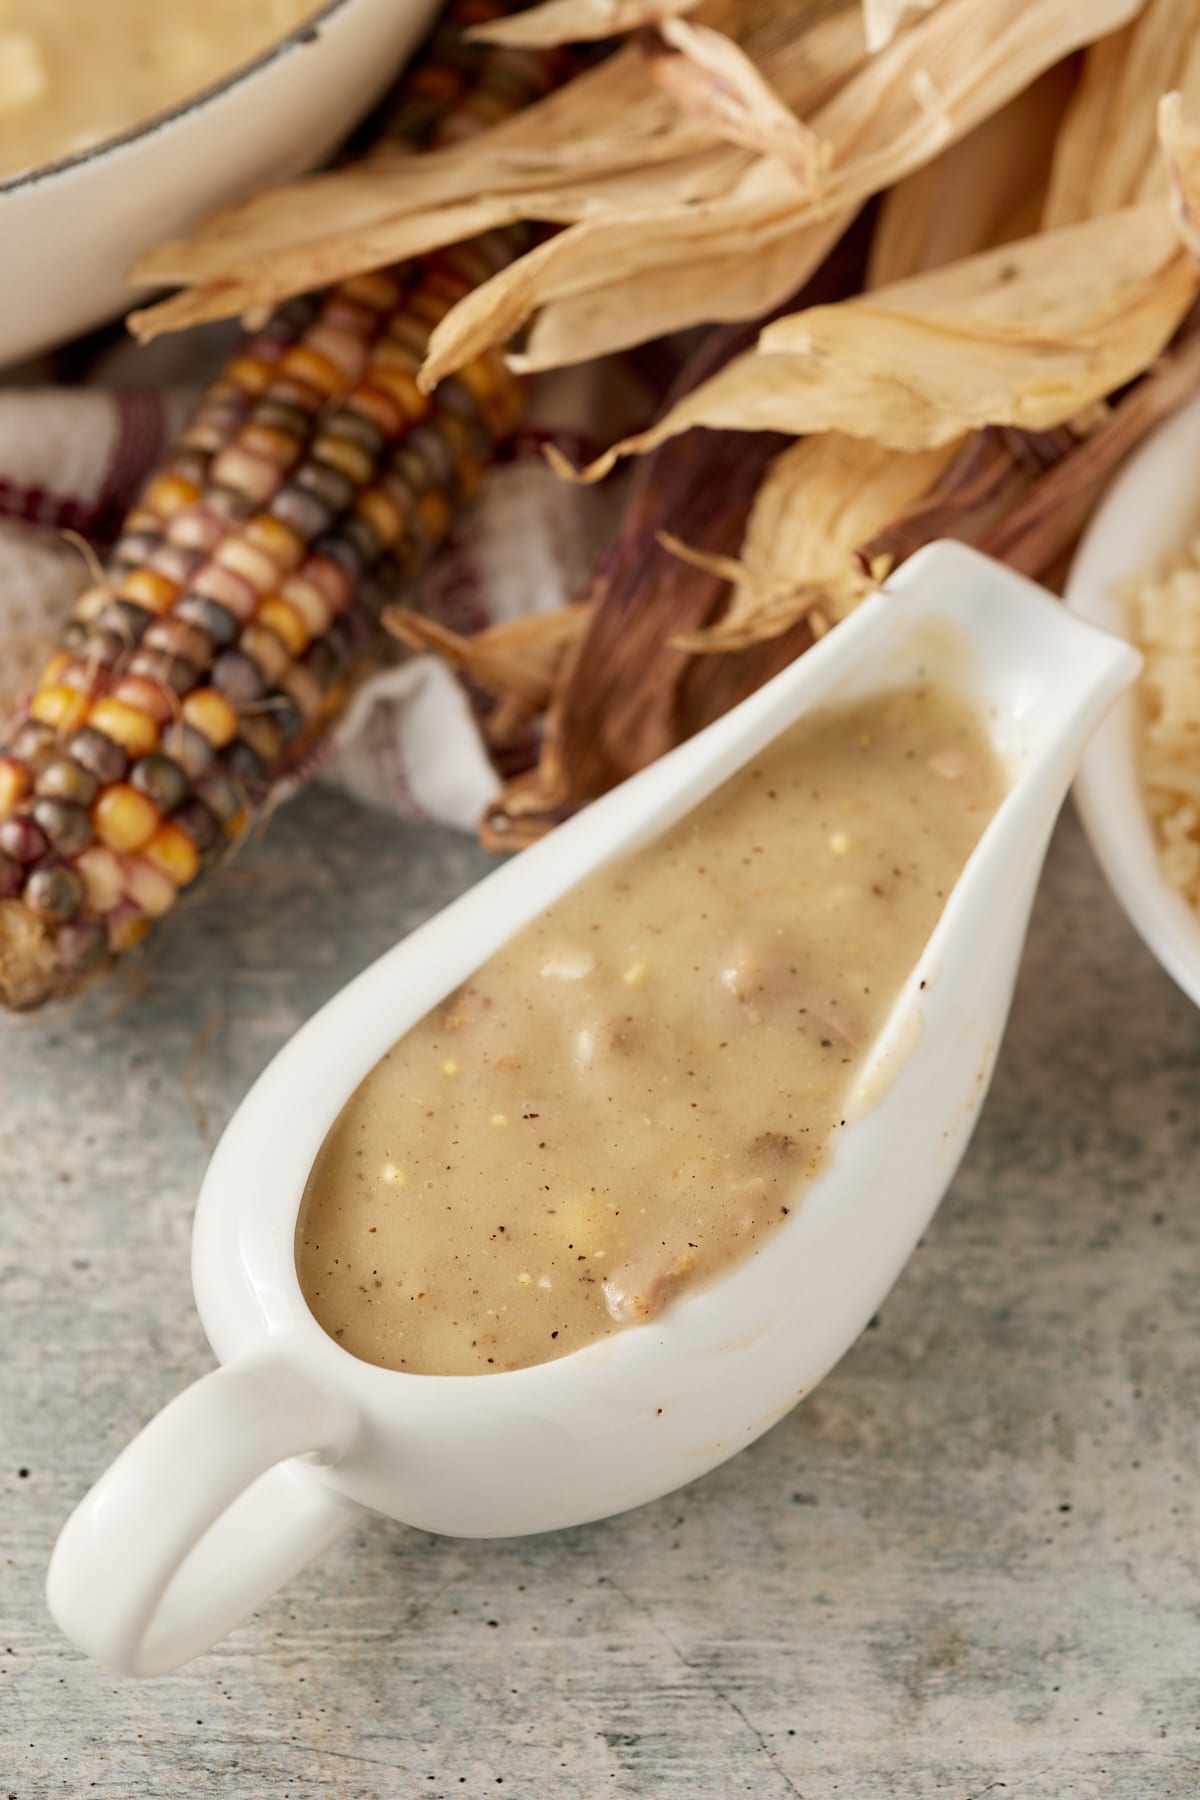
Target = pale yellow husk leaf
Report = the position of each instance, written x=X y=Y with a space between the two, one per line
x=829 y=495
x=899 y=109
x=519 y=660
x=1106 y=155
x=736 y=290
x=711 y=79
x=820 y=500
x=1030 y=334
x=883 y=18
x=609 y=142
x=1181 y=151
x=518 y=656
x=810 y=532
x=642 y=191
x=612 y=121
x=985 y=190
x=577 y=22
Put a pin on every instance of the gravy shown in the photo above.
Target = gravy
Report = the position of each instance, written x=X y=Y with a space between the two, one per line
x=629 y=1096
x=75 y=72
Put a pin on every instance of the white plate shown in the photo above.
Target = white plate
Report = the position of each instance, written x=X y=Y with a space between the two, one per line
x=1145 y=519
x=71 y=231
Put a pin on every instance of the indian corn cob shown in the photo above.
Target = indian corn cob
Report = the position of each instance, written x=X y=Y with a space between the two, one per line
x=246 y=581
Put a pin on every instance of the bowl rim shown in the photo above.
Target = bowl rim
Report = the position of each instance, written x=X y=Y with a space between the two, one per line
x=1148 y=512
x=306 y=32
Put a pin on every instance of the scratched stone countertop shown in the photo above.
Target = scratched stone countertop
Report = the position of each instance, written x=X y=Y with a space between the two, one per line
x=969 y=1565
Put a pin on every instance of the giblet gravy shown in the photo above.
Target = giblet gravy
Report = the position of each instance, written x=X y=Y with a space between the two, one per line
x=629 y=1097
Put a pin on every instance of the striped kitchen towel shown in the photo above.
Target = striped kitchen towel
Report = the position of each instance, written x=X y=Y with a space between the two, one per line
x=73 y=454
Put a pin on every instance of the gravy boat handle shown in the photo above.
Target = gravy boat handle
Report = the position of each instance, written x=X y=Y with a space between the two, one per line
x=201 y=1518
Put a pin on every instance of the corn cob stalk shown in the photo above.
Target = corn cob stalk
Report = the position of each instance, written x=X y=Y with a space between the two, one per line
x=247 y=580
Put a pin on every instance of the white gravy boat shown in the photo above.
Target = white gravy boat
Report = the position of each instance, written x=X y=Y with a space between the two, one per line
x=260 y=1465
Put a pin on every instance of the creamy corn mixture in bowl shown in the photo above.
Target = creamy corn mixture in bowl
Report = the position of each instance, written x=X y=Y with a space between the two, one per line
x=123 y=122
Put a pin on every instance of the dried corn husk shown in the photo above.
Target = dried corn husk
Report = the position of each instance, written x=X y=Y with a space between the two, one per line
x=628 y=692
x=577 y=22
x=891 y=116
x=834 y=514
x=1030 y=334
x=711 y=79
x=649 y=199
x=1181 y=149
x=1022 y=496
x=621 y=139
x=1035 y=535
x=600 y=316
x=987 y=189
x=701 y=260
x=882 y=19
x=630 y=689
x=679 y=265
x=625 y=694
x=519 y=661
x=1107 y=154
x=986 y=481
x=820 y=501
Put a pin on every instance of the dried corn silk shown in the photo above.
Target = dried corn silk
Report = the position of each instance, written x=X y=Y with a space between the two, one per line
x=1165 y=616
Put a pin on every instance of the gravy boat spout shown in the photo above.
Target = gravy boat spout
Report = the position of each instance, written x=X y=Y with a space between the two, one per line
x=260 y=1465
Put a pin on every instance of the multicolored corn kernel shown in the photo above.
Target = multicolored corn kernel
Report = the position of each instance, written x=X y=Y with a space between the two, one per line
x=200 y=825
x=33 y=745
x=23 y=840
x=16 y=780
x=103 y=876
x=55 y=892
x=101 y=756
x=67 y=825
x=124 y=818
x=82 y=946
x=62 y=778
x=127 y=926
x=151 y=890
x=60 y=707
x=130 y=729
x=207 y=711
x=161 y=779
x=174 y=854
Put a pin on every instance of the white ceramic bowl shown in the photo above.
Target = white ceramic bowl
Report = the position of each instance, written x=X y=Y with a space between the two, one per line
x=1145 y=518
x=71 y=230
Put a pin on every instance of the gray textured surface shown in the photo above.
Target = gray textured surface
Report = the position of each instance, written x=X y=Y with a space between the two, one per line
x=969 y=1565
